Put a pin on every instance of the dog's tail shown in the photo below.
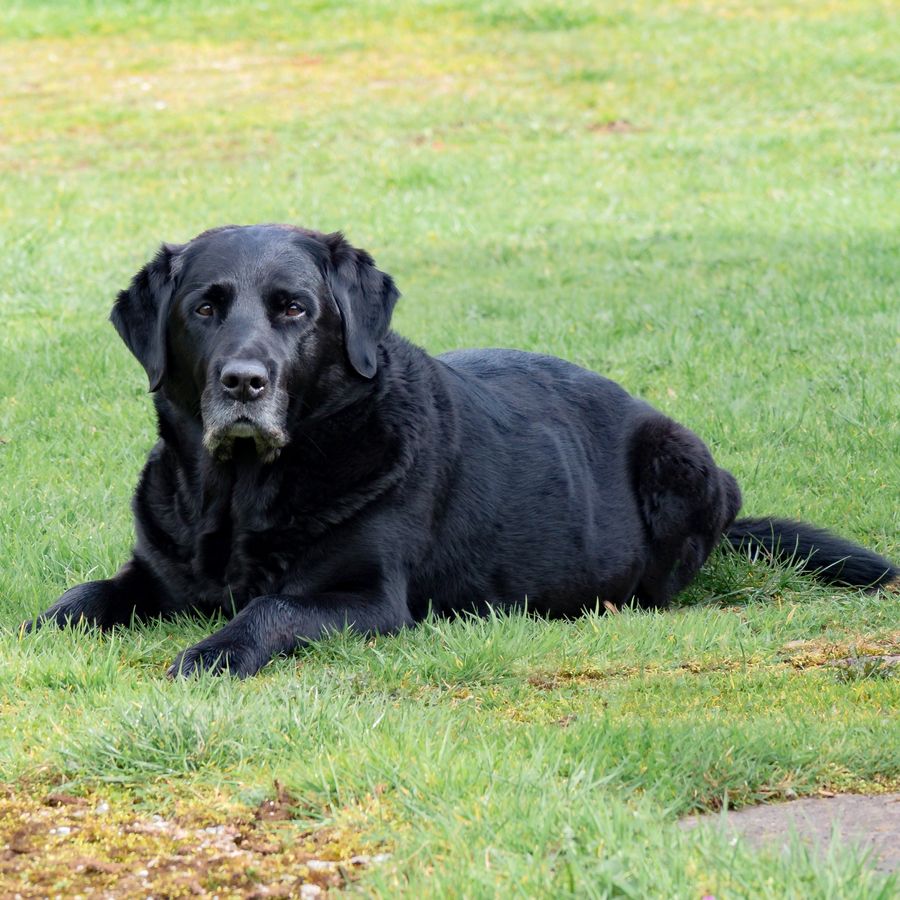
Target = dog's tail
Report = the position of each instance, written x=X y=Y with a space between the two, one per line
x=830 y=558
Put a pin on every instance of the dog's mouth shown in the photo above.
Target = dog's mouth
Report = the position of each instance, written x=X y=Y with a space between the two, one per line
x=241 y=429
x=242 y=435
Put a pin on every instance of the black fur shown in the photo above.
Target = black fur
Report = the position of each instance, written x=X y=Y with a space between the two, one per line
x=833 y=559
x=366 y=482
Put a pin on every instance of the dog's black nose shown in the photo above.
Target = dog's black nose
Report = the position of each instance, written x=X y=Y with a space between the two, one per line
x=244 y=379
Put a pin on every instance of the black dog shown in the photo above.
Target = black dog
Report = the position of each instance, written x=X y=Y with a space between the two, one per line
x=315 y=470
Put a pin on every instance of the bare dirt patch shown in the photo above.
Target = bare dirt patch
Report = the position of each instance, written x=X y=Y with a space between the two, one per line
x=554 y=680
x=67 y=845
x=861 y=653
x=614 y=126
x=550 y=681
x=872 y=822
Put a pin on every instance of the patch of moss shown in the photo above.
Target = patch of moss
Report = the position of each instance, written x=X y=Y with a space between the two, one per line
x=60 y=843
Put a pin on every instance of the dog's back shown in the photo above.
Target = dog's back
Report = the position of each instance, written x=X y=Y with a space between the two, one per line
x=542 y=498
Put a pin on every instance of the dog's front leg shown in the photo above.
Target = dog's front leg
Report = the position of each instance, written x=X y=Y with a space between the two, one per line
x=132 y=593
x=279 y=623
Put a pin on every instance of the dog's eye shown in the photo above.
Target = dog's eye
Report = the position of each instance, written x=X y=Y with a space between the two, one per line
x=294 y=309
x=205 y=310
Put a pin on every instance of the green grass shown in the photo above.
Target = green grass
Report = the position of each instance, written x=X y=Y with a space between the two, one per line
x=697 y=200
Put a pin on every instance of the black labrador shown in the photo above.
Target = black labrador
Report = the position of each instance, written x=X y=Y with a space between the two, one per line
x=316 y=471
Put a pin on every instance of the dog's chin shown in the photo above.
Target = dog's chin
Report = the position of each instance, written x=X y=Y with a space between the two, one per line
x=243 y=437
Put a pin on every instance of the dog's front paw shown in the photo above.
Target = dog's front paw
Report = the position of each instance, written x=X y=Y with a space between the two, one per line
x=87 y=604
x=218 y=656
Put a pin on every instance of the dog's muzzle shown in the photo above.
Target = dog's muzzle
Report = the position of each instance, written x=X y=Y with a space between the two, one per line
x=268 y=439
x=245 y=404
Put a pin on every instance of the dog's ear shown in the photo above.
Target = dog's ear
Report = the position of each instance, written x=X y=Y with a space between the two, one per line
x=140 y=312
x=365 y=297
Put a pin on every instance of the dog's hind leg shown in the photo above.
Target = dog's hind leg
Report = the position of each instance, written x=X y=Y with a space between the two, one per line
x=686 y=503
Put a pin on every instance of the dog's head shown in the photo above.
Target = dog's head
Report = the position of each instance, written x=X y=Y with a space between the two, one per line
x=243 y=325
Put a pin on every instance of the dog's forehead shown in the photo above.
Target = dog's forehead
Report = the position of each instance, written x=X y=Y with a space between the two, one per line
x=249 y=255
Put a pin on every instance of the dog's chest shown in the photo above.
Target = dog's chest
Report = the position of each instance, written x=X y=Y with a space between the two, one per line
x=249 y=542
x=228 y=570
x=232 y=559
x=240 y=535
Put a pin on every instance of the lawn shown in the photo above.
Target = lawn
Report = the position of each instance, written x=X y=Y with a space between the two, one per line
x=698 y=200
